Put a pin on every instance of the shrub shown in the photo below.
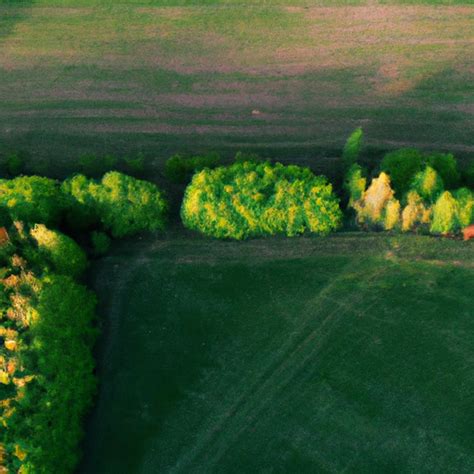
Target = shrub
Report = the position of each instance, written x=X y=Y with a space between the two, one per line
x=241 y=157
x=468 y=176
x=402 y=165
x=14 y=164
x=377 y=207
x=32 y=199
x=465 y=201
x=94 y=166
x=445 y=215
x=124 y=205
x=352 y=148
x=65 y=255
x=251 y=199
x=355 y=183
x=427 y=184
x=180 y=169
x=135 y=166
x=446 y=166
x=45 y=426
x=100 y=243
x=415 y=214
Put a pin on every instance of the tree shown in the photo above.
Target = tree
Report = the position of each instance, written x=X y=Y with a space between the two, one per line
x=445 y=215
x=32 y=199
x=402 y=165
x=355 y=183
x=64 y=254
x=250 y=199
x=427 y=184
x=465 y=201
x=446 y=166
x=180 y=169
x=377 y=206
x=352 y=148
x=415 y=214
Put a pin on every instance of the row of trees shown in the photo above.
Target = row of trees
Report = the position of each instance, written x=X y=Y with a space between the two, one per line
x=413 y=192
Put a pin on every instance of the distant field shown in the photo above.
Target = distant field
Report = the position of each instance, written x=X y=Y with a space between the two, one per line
x=347 y=354
x=287 y=78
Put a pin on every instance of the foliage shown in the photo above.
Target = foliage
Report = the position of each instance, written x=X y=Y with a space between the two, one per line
x=241 y=156
x=100 y=243
x=355 y=183
x=252 y=199
x=445 y=215
x=415 y=214
x=14 y=164
x=468 y=176
x=377 y=206
x=427 y=184
x=94 y=166
x=446 y=166
x=179 y=169
x=402 y=165
x=32 y=199
x=65 y=255
x=352 y=148
x=46 y=321
x=135 y=165
x=124 y=205
x=465 y=202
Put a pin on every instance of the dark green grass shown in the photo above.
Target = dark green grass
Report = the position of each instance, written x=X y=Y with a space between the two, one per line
x=352 y=353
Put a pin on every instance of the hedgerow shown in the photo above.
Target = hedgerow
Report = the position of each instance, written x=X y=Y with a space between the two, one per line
x=254 y=199
x=46 y=364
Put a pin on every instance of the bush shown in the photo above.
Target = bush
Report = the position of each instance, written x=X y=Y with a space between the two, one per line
x=180 y=169
x=468 y=176
x=465 y=201
x=446 y=166
x=252 y=199
x=377 y=207
x=135 y=166
x=124 y=205
x=352 y=148
x=64 y=254
x=415 y=214
x=32 y=199
x=14 y=164
x=45 y=427
x=427 y=184
x=94 y=166
x=100 y=243
x=445 y=215
x=402 y=165
x=355 y=183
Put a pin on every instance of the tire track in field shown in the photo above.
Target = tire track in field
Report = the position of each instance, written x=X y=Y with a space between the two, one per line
x=271 y=376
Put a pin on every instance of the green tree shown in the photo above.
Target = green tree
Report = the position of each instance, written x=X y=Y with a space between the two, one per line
x=445 y=215
x=427 y=184
x=465 y=201
x=180 y=169
x=32 y=199
x=446 y=166
x=352 y=148
x=355 y=183
x=402 y=165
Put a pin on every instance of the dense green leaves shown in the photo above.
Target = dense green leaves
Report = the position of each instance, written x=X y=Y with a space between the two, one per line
x=180 y=169
x=352 y=148
x=402 y=165
x=252 y=199
x=64 y=254
x=124 y=205
x=32 y=199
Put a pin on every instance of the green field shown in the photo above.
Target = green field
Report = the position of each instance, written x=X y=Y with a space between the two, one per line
x=286 y=78
x=351 y=353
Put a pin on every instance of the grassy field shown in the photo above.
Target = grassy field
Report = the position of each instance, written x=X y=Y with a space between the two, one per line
x=287 y=78
x=347 y=354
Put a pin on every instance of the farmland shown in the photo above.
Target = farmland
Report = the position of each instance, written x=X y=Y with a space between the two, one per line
x=346 y=353
x=289 y=79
